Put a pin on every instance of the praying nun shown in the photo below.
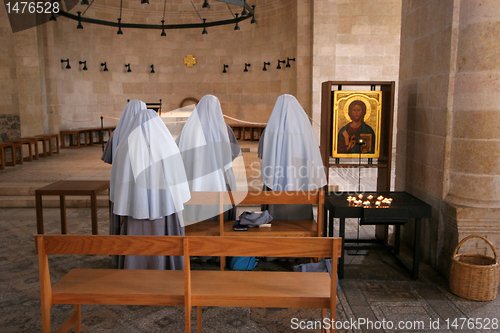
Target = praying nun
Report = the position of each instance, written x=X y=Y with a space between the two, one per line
x=149 y=187
x=291 y=160
x=209 y=148
x=131 y=109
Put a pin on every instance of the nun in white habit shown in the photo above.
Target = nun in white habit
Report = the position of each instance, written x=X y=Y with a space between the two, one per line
x=291 y=160
x=149 y=187
x=131 y=109
x=209 y=148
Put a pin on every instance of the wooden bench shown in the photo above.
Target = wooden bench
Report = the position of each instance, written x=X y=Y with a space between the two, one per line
x=33 y=147
x=84 y=136
x=3 y=158
x=241 y=129
x=48 y=147
x=279 y=228
x=186 y=288
x=70 y=134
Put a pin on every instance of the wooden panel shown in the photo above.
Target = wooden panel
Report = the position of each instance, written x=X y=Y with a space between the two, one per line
x=254 y=197
x=254 y=289
x=281 y=197
x=286 y=228
x=203 y=198
x=263 y=246
x=74 y=187
x=204 y=228
x=113 y=286
x=123 y=245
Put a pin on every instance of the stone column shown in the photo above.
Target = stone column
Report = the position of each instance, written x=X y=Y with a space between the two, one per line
x=472 y=188
x=475 y=147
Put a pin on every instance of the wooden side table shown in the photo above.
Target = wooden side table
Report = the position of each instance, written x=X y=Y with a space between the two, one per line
x=53 y=148
x=34 y=146
x=70 y=187
x=19 y=144
x=3 y=160
x=16 y=144
x=43 y=140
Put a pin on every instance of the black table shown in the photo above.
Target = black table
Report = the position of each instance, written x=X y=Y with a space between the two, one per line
x=403 y=207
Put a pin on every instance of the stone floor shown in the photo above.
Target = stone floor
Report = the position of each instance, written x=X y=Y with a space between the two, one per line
x=375 y=288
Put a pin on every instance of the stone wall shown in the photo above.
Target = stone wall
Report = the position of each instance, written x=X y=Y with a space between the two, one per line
x=85 y=95
x=10 y=127
x=9 y=106
x=447 y=108
x=354 y=40
x=60 y=98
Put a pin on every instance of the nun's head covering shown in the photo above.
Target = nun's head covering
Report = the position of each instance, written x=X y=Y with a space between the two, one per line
x=131 y=109
x=208 y=153
x=291 y=159
x=205 y=146
x=148 y=180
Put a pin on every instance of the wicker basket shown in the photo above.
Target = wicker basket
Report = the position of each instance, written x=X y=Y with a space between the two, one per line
x=475 y=276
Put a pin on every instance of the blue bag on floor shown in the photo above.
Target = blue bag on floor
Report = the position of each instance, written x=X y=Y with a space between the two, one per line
x=243 y=263
x=322 y=266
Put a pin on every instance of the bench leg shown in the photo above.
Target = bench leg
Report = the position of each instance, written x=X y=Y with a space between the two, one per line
x=62 y=207
x=2 y=158
x=46 y=318
x=74 y=320
x=222 y=263
x=198 y=318
x=323 y=316
x=78 y=314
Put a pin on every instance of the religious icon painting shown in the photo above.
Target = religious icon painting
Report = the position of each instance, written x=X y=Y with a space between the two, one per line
x=356 y=124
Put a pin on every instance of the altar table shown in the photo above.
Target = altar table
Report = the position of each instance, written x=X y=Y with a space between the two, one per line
x=403 y=207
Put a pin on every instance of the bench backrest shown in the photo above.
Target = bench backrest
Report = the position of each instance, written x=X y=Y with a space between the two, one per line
x=316 y=197
x=185 y=246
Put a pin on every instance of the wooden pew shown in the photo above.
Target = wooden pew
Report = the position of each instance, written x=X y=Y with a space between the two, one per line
x=187 y=288
x=265 y=288
x=279 y=228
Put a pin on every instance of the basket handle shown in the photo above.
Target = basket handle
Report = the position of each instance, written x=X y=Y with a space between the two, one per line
x=476 y=236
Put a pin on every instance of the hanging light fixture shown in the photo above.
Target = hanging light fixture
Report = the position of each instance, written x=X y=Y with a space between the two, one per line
x=119 y=32
x=244 y=12
x=204 y=28
x=163 y=34
x=236 y=27
x=79 y=26
x=247 y=13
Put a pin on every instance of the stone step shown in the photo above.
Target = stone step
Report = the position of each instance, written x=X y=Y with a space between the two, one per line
x=16 y=189
x=22 y=195
x=28 y=201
